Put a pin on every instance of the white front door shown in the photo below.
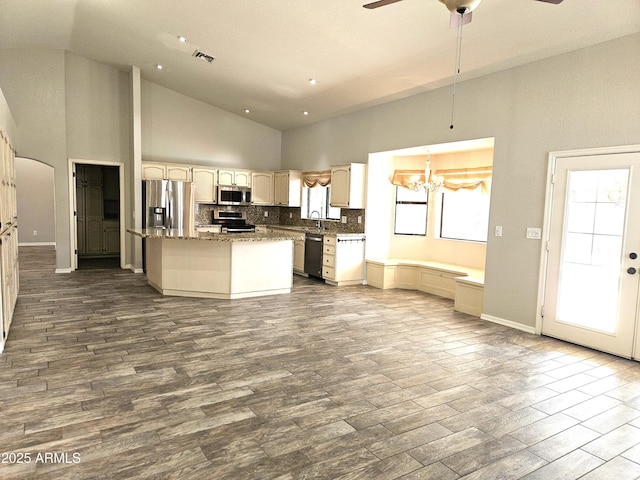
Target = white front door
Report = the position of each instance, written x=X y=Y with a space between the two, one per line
x=592 y=279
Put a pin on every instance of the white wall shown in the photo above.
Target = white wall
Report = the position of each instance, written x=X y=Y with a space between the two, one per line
x=36 y=206
x=180 y=129
x=588 y=98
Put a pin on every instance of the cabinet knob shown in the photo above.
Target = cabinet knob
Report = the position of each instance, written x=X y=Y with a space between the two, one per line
x=633 y=255
x=631 y=271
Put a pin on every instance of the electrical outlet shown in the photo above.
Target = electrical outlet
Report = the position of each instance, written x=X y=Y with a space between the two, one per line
x=359 y=218
x=498 y=231
x=35 y=233
x=344 y=219
x=266 y=213
x=290 y=215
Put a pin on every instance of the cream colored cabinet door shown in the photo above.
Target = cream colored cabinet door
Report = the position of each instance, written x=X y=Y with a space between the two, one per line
x=298 y=255
x=153 y=171
x=348 y=185
x=226 y=177
x=234 y=178
x=281 y=188
x=181 y=173
x=340 y=180
x=287 y=188
x=262 y=188
x=205 y=181
x=243 y=178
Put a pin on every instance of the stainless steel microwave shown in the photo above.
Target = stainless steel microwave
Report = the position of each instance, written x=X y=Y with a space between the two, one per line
x=228 y=195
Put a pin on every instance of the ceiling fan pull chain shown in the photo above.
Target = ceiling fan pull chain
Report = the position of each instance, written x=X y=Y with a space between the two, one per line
x=457 y=69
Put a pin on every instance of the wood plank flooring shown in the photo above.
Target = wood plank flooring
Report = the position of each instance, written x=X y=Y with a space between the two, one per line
x=103 y=378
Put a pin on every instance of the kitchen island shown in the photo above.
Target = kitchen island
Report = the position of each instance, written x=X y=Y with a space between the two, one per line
x=218 y=265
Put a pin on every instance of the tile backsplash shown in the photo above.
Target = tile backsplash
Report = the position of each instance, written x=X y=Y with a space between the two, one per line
x=289 y=216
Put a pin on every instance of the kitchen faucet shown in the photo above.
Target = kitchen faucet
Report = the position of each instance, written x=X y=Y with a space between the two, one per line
x=319 y=222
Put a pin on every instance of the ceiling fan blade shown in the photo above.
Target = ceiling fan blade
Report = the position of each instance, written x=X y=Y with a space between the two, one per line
x=555 y=2
x=380 y=3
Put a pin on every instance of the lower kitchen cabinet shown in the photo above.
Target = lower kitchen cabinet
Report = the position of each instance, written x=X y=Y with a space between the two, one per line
x=343 y=259
x=298 y=256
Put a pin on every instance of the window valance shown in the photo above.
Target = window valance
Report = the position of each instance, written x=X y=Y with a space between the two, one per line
x=452 y=179
x=465 y=178
x=408 y=178
x=311 y=179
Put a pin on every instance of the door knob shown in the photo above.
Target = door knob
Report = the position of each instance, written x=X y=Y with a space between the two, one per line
x=631 y=271
x=633 y=255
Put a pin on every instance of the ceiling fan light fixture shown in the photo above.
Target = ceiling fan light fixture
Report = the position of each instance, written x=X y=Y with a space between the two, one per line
x=460 y=6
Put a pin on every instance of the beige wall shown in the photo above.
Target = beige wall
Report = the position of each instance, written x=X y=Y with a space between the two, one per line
x=180 y=129
x=33 y=82
x=588 y=98
x=35 y=196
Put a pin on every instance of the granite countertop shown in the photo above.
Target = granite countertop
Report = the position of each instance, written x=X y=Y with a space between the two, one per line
x=213 y=237
x=314 y=230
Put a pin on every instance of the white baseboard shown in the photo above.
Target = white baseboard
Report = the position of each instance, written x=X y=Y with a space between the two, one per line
x=508 y=323
x=133 y=269
x=63 y=270
x=36 y=244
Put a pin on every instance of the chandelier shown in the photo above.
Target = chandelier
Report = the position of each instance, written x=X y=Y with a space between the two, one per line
x=418 y=180
x=429 y=182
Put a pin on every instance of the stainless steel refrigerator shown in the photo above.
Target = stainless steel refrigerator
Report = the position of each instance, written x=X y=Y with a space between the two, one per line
x=167 y=204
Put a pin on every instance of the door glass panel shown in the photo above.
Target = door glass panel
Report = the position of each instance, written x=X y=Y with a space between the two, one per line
x=592 y=248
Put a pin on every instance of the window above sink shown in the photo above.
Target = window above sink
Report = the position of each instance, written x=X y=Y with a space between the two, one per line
x=316 y=195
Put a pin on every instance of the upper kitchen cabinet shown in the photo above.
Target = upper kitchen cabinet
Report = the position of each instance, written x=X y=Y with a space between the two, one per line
x=166 y=171
x=234 y=178
x=153 y=171
x=205 y=180
x=181 y=173
x=262 y=188
x=287 y=188
x=348 y=185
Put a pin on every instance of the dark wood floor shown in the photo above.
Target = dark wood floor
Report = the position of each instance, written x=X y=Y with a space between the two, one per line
x=102 y=378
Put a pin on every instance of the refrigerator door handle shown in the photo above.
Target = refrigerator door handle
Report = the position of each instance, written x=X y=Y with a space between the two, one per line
x=170 y=206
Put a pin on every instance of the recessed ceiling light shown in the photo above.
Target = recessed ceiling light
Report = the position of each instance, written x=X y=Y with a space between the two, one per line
x=305 y=113
x=182 y=38
x=159 y=66
x=246 y=110
x=313 y=81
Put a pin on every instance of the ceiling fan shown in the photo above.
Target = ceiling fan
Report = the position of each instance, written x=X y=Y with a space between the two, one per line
x=455 y=6
x=460 y=15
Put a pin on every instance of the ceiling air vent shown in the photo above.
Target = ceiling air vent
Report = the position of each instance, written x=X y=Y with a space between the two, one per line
x=203 y=56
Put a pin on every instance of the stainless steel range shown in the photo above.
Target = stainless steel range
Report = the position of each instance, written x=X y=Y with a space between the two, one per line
x=232 y=221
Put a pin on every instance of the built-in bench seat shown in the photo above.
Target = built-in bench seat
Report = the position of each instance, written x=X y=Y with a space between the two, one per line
x=464 y=285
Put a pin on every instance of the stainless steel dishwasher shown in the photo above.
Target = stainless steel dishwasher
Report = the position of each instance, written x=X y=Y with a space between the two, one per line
x=313 y=254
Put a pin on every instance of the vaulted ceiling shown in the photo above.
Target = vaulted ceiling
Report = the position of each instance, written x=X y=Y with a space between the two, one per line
x=266 y=51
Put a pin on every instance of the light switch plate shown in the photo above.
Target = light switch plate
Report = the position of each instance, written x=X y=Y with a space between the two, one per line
x=534 y=233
